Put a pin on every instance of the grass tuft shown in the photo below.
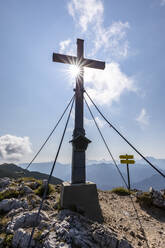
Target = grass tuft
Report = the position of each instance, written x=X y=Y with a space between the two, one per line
x=40 y=190
x=9 y=193
x=28 y=179
x=120 y=191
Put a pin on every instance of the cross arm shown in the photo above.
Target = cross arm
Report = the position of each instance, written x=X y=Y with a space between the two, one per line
x=67 y=59
x=93 y=64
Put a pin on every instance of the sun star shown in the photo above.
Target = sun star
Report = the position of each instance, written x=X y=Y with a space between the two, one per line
x=74 y=71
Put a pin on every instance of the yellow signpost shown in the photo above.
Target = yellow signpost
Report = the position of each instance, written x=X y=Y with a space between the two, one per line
x=126 y=156
x=127 y=159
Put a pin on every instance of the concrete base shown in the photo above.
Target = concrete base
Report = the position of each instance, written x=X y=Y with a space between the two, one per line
x=82 y=198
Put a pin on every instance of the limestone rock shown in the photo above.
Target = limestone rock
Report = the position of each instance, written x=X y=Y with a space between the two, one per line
x=27 y=190
x=51 y=241
x=33 y=185
x=34 y=200
x=7 y=205
x=77 y=231
x=123 y=244
x=14 y=212
x=158 y=198
x=27 y=219
x=21 y=239
x=4 y=182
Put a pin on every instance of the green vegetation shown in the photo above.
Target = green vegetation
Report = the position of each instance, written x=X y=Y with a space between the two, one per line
x=10 y=193
x=27 y=179
x=120 y=191
x=58 y=203
x=40 y=190
x=37 y=235
x=8 y=240
x=3 y=223
x=145 y=199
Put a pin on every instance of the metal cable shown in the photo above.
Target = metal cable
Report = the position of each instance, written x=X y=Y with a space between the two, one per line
x=141 y=226
x=105 y=143
x=161 y=173
x=50 y=134
x=50 y=175
x=119 y=172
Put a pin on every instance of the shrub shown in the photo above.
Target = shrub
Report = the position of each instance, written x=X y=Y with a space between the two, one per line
x=120 y=191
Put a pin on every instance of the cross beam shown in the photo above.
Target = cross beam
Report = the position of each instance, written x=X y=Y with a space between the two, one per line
x=79 y=142
x=67 y=59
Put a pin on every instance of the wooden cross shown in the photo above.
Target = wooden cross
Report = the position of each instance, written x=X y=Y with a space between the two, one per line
x=79 y=142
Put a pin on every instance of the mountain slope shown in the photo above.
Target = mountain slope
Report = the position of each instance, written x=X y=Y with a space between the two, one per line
x=155 y=181
x=120 y=227
x=14 y=171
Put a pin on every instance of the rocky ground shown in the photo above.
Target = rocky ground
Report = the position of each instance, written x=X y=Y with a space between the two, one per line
x=119 y=214
x=20 y=199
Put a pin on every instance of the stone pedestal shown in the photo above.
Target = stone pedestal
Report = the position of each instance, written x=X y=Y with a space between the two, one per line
x=82 y=198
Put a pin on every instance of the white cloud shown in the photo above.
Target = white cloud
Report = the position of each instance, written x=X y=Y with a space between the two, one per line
x=13 y=148
x=106 y=86
x=101 y=123
x=64 y=45
x=112 y=40
x=162 y=2
x=85 y=11
x=143 y=118
x=90 y=15
x=90 y=122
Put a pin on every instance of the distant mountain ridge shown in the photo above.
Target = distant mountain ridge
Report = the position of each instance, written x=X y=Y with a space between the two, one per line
x=106 y=176
x=156 y=181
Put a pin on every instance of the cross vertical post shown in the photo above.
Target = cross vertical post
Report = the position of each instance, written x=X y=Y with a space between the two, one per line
x=79 y=141
x=79 y=110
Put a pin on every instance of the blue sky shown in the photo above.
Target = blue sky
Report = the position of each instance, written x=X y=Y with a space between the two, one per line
x=128 y=35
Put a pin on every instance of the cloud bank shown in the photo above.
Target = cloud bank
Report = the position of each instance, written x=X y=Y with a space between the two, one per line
x=106 y=86
x=89 y=16
x=13 y=148
x=85 y=12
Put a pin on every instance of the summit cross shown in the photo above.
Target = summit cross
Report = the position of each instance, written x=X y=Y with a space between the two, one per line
x=79 y=142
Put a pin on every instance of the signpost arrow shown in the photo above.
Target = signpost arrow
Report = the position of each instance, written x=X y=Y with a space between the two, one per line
x=125 y=159
x=126 y=156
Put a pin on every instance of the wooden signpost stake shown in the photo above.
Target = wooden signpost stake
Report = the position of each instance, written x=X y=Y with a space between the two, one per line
x=127 y=159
